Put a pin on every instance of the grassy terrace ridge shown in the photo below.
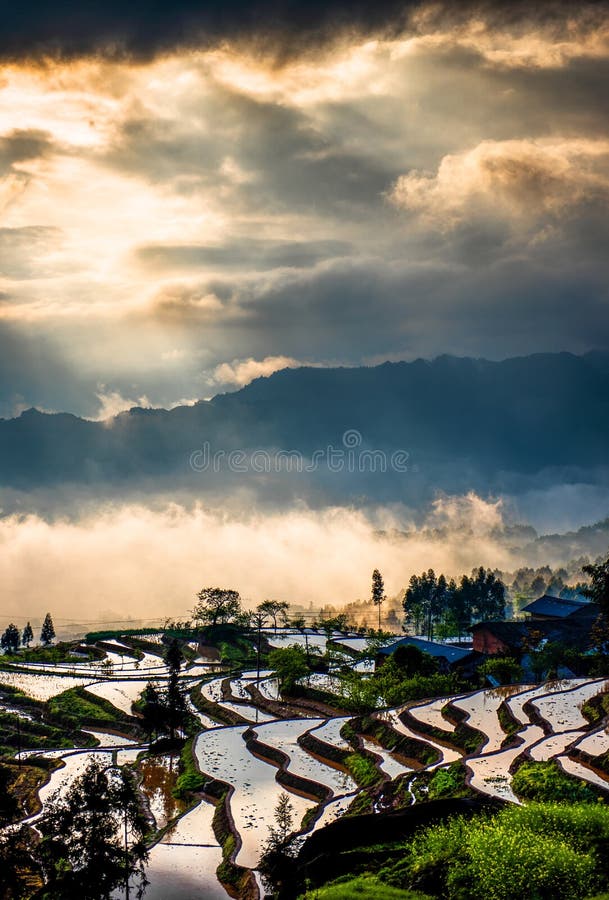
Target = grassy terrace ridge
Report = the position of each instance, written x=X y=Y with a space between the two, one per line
x=113 y=634
x=415 y=751
x=464 y=737
x=364 y=887
x=596 y=709
x=61 y=652
x=483 y=853
x=76 y=708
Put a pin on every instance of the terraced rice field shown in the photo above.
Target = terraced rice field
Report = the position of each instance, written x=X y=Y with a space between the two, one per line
x=224 y=755
x=183 y=864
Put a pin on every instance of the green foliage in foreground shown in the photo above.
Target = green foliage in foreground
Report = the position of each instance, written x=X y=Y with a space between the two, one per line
x=363 y=888
x=546 y=781
x=536 y=851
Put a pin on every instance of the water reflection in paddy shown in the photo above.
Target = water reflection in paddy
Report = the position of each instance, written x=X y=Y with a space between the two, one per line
x=223 y=754
x=334 y=810
x=121 y=694
x=580 y=771
x=554 y=745
x=431 y=713
x=284 y=736
x=563 y=711
x=389 y=764
x=596 y=744
x=213 y=691
x=159 y=775
x=482 y=713
x=183 y=866
x=516 y=703
x=490 y=773
x=330 y=733
x=446 y=754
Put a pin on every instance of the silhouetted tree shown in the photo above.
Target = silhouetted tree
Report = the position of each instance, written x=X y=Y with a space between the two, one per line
x=425 y=599
x=47 y=632
x=27 y=636
x=598 y=589
x=276 y=609
x=485 y=594
x=378 y=592
x=289 y=664
x=216 y=605
x=10 y=639
x=277 y=861
x=174 y=703
x=153 y=712
x=84 y=851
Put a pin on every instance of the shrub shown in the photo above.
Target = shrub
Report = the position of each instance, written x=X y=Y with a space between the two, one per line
x=537 y=851
x=546 y=781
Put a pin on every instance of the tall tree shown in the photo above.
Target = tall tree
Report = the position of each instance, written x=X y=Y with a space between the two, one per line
x=216 y=605
x=425 y=599
x=276 y=609
x=10 y=639
x=175 y=705
x=487 y=594
x=598 y=589
x=378 y=592
x=28 y=635
x=47 y=632
x=93 y=837
x=258 y=621
x=459 y=607
x=153 y=712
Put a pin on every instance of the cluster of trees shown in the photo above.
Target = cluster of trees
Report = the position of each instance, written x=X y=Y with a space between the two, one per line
x=435 y=605
x=12 y=639
x=92 y=840
x=220 y=606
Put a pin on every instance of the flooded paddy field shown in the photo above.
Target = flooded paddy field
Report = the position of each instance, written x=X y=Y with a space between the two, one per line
x=183 y=862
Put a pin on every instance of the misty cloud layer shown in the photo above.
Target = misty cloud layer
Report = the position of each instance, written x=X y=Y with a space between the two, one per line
x=139 y=561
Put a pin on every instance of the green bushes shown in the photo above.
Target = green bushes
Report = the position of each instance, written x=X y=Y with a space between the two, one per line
x=536 y=851
x=546 y=781
x=505 y=669
x=449 y=782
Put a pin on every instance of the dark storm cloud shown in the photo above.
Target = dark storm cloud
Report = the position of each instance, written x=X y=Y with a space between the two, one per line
x=142 y=28
x=287 y=162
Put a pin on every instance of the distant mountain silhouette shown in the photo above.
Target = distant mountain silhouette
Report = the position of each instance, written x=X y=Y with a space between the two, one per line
x=466 y=423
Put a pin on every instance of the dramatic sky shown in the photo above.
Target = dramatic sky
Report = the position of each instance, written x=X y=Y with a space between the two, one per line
x=190 y=198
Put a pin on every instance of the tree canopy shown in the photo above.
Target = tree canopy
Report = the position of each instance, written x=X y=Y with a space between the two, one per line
x=216 y=605
x=47 y=632
x=82 y=851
